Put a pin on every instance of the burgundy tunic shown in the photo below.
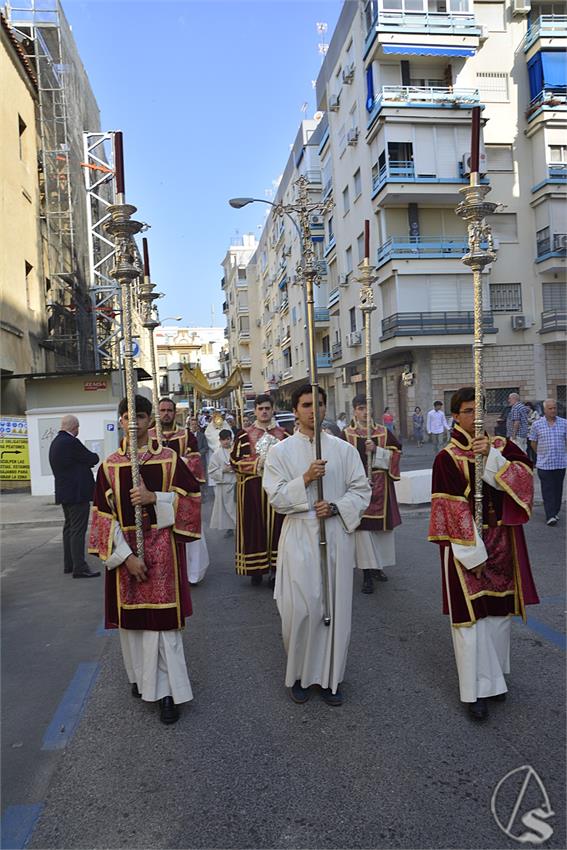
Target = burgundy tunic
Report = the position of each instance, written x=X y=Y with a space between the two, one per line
x=506 y=584
x=258 y=526
x=382 y=513
x=176 y=440
x=163 y=601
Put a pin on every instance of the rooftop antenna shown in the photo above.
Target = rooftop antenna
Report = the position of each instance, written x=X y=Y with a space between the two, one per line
x=323 y=45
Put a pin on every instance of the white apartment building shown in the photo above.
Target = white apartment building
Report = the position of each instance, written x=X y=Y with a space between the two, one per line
x=177 y=347
x=243 y=329
x=396 y=90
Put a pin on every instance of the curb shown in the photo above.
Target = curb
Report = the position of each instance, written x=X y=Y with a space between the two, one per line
x=40 y=523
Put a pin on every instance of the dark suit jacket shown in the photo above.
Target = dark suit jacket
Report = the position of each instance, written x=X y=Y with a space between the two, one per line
x=71 y=463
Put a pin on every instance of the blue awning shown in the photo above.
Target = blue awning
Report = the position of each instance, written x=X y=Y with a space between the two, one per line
x=554 y=68
x=422 y=50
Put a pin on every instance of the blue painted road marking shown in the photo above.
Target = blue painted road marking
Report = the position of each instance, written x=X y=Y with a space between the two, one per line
x=68 y=712
x=553 y=636
x=18 y=823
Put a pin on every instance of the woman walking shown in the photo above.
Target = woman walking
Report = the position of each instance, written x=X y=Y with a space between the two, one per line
x=418 y=423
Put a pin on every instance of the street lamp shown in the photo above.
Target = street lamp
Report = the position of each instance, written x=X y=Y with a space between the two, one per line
x=304 y=208
x=171 y=319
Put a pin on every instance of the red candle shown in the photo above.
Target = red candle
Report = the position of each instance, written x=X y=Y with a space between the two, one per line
x=475 y=140
x=119 y=163
x=146 y=257
x=366 y=239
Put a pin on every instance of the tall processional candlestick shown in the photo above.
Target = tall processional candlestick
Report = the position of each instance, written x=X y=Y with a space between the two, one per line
x=366 y=278
x=122 y=228
x=304 y=208
x=151 y=322
x=474 y=209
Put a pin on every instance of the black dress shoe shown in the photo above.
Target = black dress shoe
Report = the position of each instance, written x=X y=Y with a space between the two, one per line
x=87 y=574
x=379 y=575
x=135 y=691
x=331 y=698
x=478 y=710
x=299 y=694
x=367 y=583
x=256 y=580
x=168 y=711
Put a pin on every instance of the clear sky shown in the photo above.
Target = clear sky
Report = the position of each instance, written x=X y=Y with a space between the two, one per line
x=208 y=96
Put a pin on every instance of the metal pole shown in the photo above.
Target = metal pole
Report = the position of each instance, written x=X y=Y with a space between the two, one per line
x=122 y=228
x=367 y=306
x=151 y=322
x=474 y=209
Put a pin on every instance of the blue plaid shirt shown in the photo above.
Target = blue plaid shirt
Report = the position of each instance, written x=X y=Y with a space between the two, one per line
x=518 y=413
x=551 y=443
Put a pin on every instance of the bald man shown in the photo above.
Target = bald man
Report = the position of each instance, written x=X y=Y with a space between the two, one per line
x=548 y=438
x=71 y=464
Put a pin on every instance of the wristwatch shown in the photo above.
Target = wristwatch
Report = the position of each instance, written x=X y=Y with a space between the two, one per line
x=334 y=509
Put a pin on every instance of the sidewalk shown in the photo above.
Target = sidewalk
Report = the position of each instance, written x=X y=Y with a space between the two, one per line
x=23 y=509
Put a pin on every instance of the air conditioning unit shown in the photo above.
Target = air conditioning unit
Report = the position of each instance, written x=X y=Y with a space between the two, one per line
x=348 y=73
x=334 y=103
x=519 y=322
x=352 y=136
x=316 y=220
x=353 y=339
x=521 y=7
x=466 y=164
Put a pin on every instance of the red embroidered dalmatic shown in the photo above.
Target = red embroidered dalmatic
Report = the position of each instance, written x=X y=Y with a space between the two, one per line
x=176 y=440
x=382 y=513
x=506 y=584
x=258 y=526
x=163 y=601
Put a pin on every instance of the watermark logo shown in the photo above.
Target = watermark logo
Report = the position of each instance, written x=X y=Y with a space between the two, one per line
x=521 y=808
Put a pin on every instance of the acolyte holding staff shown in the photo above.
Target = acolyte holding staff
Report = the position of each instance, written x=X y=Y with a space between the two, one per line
x=486 y=569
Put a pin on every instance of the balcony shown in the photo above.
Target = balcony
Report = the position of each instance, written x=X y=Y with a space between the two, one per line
x=284 y=305
x=244 y=336
x=334 y=296
x=556 y=175
x=321 y=316
x=553 y=320
x=313 y=176
x=398 y=179
x=419 y=248
x=551 y=245
x=330 y=244
x=225 y=306
x=322 y=268
x=546 y=102
x=245 y=360
x=323 y=361
x=422 y=97
x=546 y=26
x=226 y=333
x=242 y=309
x=421 y=22
x=327 y=189
x=286 y=338
x=433 y=324
x=336 y=351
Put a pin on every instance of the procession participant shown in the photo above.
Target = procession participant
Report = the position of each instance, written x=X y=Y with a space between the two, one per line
x=147 y=600
x=316 y=653
x=223 y=516
x=374 y=537
x=173 y=437
x=257 y=526
x=485 y=582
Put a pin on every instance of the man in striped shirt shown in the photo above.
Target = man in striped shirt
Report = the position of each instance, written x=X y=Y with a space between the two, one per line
x=517 y=426
x=548 y=438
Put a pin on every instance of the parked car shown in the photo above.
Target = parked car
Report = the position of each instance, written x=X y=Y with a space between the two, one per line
x=285 y=419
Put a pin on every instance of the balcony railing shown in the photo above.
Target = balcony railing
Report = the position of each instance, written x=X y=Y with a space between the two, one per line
x=431 y=22
x=330 y=244
x=312 y=175
x=284 y=305
x=557 y=171
x=546 y=26
x=336 y=351
x=553 y=320
x=324 y=361
x=547 y=99
x=421 y=248
x=423 y=96
x=321 y=315
x=334 y=296
x=432 y=324
x=553 y=245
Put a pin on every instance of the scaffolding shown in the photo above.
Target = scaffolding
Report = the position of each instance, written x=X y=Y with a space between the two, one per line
x=66 y=106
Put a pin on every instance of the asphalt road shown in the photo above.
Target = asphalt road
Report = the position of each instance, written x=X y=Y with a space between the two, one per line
x=398 y=765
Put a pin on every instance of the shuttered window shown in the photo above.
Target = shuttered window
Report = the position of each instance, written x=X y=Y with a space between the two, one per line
x=554 y=296
x=492 y=86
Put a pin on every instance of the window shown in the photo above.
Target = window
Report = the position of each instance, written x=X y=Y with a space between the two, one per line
x=506 y=297
x=341 y=138
x=21 y=130
x=499 y=157
x=557 y=153
x=330 y=231
x=326 y=345
x=495 y=400
x=493 y=86
x=554 y=296
x=241 y=274
x=294 y=315
x=352 y=318
x=348 y=259
x=358 y=183
x=543 y=241
x=504 y=226
x=360 y=247
x=346 y=200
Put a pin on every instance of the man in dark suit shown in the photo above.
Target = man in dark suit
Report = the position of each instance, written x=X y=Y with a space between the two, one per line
x=71 y=464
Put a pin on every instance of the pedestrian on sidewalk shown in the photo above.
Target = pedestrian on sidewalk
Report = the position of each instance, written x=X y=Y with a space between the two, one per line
x=375 y=544
x=548 y=439
x=517 y=426
x=418 y=424
x=437 y=425
x=388 y=420
x=223 y=516
x=488 y=580
x=147 y=600
x=71 y=463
